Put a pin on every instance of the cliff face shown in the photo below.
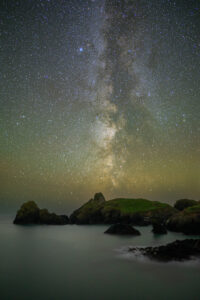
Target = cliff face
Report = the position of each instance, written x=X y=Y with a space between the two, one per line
x=133 y=211
x=29 y=213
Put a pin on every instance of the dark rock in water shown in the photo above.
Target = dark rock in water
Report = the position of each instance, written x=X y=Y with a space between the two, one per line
x=184 y=203
x=178 y=250
x=159 y=228
x=124 y=229
x=29 y=213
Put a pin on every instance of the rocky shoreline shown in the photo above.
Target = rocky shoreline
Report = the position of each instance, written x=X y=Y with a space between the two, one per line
x=175 y=251
x=123 y=214
x=183 y=217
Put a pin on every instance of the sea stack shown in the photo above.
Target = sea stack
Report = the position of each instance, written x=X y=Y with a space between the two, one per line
x=30 y=213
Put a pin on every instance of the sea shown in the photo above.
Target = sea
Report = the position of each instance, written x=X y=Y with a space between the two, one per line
x=74 y=262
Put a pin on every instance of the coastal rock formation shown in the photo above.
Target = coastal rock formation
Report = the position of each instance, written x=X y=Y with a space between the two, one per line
x=99 y=197
x=186 y=221
x=122 y=229
x=127 y=211
x=185 y=203
x=178 y=250
x=29 y=213
x=90 y=212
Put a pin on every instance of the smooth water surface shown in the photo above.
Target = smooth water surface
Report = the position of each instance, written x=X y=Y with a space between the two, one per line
x=81 y=262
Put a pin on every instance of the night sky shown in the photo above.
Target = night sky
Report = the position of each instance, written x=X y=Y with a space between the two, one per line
x=99 y=95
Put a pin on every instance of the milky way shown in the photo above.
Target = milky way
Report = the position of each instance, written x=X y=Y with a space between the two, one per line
x=99 y=96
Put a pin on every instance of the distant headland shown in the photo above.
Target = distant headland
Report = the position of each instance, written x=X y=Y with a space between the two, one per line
x=184 y=216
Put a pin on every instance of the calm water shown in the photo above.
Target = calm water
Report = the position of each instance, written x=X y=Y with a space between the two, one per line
x=80 y=262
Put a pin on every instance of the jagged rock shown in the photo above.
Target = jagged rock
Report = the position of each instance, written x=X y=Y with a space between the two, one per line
x=122 y=229
x=184 y=203
x=90 y=212
x=99 y=197
x=29 y=213
x=178 y=250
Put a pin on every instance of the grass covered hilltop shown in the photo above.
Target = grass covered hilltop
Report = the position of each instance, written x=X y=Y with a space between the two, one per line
x=134 y=211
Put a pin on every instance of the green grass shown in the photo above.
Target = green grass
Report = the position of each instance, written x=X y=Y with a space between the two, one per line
x=134 y=205
x=122 y=208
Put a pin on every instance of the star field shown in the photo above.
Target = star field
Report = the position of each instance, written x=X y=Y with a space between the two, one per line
x=99 y=95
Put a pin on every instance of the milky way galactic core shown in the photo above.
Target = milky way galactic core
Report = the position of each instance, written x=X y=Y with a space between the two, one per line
x=99 y=96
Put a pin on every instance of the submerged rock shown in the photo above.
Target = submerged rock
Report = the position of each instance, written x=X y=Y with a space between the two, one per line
x=178 y=250
x=29 y=213
x=123 y=229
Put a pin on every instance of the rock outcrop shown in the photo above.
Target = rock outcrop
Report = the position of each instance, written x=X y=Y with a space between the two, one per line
x=29 y=213
x=185 y=203
x=90 y=212
x=186 y=221
x=99 y=197
x=176 y=251
x=122 y=229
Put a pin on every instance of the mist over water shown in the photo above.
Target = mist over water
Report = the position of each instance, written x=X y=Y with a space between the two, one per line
x=81 y=262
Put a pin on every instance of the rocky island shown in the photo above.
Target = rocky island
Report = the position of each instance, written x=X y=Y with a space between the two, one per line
x=183 y=217
x=30 y=213
x=121 y=210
